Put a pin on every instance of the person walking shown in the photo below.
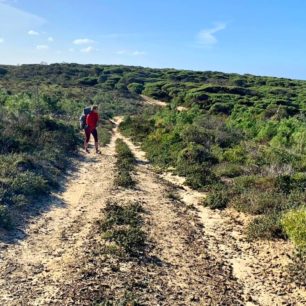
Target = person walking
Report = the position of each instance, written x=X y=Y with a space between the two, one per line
x=92 y=120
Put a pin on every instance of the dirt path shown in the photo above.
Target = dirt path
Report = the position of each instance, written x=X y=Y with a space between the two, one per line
x=151 y=101
x=194 y=256
x=260 y=267
x=33 y=270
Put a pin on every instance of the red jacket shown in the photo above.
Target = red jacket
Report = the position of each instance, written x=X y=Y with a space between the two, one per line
x=92 y=120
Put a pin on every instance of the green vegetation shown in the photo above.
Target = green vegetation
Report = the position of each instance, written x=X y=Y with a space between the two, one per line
x=39 y=111
x=294 y=223
x=266 y=227
x=125 y=165
x=218 y=198
x=122 y=226
x=243 y=137
x=34 y=151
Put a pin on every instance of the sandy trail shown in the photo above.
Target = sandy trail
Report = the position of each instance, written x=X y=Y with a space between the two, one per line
x=260 y=267
x=151 y=101
x=195 y=256
x=33 y=269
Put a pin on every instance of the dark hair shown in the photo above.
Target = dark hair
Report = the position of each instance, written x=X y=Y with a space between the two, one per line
x=94 y=107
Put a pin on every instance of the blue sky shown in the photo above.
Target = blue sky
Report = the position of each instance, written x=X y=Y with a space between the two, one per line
x=243 y=36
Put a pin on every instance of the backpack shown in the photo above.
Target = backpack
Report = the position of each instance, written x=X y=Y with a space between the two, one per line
x=83 y=117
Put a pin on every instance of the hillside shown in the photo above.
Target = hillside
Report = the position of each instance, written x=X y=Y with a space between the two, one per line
x=212 y=166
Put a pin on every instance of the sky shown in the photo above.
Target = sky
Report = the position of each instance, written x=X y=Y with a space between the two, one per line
x=262 y=37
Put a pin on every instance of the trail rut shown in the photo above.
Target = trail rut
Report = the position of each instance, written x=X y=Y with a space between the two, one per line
x=34 y=268
x=194 y=256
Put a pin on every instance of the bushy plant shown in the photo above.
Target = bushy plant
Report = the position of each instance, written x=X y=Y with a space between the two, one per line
x=5 y=218
x=122 y=225
x=265 y=227
x=217 y=198
x=236 y=154
x=228 y=170
x=125 y=164
x=294 y=224
x=255 y=202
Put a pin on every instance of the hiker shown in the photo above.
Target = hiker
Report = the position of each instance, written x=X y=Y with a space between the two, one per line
x=92 y=120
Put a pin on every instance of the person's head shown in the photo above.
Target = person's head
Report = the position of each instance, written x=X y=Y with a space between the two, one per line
x=94 y=108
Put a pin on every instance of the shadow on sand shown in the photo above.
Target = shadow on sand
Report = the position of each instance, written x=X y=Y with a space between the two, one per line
x=22 y=217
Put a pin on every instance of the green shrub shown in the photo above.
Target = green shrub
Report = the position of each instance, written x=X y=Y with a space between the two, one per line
x=265 y=227
x=260 y=183
x=5 y=218
x=122 y=225
x=228 y=170
x=124 y=179
x=120 y=215
x=256 y=202
x=29 y=184
x=236 y=154
x=294 y=224
x=125 y=164
x=132 y=239
x=198 y=176
x=217 y=199
x=295 y=199
x=136 y=88
x=89 y=81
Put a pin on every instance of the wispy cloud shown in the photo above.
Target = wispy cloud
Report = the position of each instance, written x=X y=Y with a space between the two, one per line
x=42 y=47
x=131 y=53
x=33 y=33
x=83 y=41
x=207 y=37
x=89 y=49
x=15 y=22
x=50 y=39
x=1 y=40
x=138 y=53
x=8 y=1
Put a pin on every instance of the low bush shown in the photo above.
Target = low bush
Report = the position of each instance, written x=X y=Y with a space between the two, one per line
x=34 y=151
x=124 y=179
x=125 y=164
x=119 y=215
x=255 y=202
x=228 y=170
x=265 y=227
x=236 y=155
x=122 y=225
x=294 y=224
x=217 y=198
x=199 y=177
x=5 y=218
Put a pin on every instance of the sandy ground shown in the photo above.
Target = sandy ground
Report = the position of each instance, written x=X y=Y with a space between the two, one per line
x=260 y=266
x=34 y=268
x=194 y=256
x=151 y=101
